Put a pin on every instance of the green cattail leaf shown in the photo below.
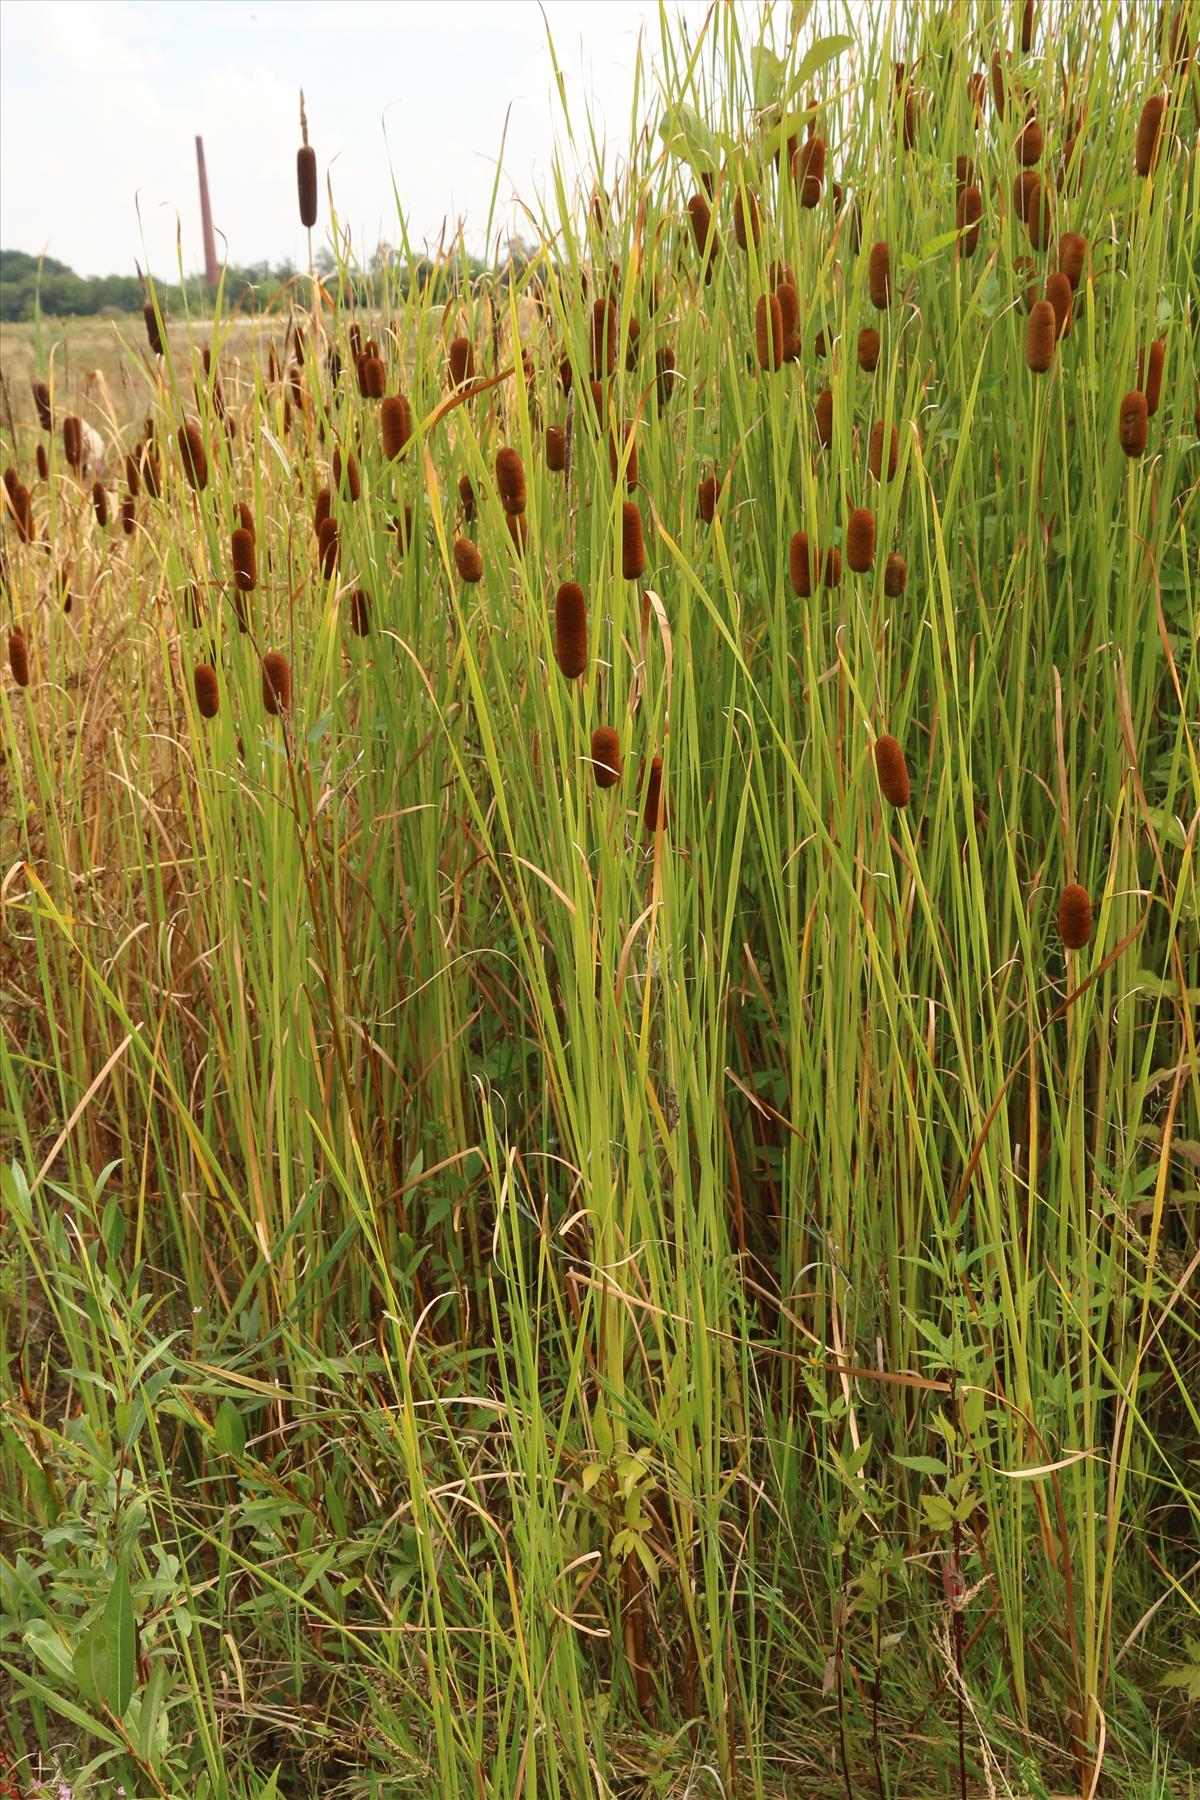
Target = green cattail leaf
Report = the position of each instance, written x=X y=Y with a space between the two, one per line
x=104 y=1661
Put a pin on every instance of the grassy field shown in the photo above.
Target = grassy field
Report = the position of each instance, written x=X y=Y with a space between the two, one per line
x=601 y=1184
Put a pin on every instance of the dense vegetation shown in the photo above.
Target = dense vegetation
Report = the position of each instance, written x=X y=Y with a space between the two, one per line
x=602 y=1179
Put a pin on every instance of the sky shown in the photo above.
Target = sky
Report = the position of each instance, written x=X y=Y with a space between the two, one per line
x=101 y=102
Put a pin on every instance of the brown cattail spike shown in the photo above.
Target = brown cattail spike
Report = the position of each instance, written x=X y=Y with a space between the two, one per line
x=153 y=334
x=808 y=168
x=395 y=424
x=208 y=693
x=1133 y=423
x=43 y=463
x=306 y=184
x=707 y=495
x=1029 y=144
x=1149 y=135
x=276 y=683
x=1072 y=256
x=768 y=332
x=360 y=612
x=556 y=449
x=881 y=439
x=462 y=361
x=1041 y=334
x=466 y=495
x=823 y=414
x=895 y=575
x=802 y=564
x=18 y=657
x=510 y=480
x=570 y=630
x=892 y=771
x=467 y=560
x=606 y=756
x=100 y=504
x=128 y=515
x=346 y=479
x=633 y=548
x=244 y=559
x=789 y=313
x=1150 y=374
x=1058 y=293
x=41 y=400
x=327 y=547
x=860 y=540
x=879 y=276
x=73 y=441
x=1075 y=917
x=654 y=812
x=868 y=349
x=604 y=337
x=967 y=215
x=191 y=455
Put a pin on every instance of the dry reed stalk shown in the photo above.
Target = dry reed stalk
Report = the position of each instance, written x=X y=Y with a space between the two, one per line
x=510 y=480
x=395 y=425
x=869 y=344
x=468 y=560
x=879 y=276
x=1075 y=916
x=276 y=683
x=768 y=333
x=633 y=547
x=1133 y=424
x=570 y=630
x=1041 y=334
x=606 y=756
x=892 y=772
x=192 y=457
x=860 y=540
x=880 y=437
x=18 y=656
x=207 y=690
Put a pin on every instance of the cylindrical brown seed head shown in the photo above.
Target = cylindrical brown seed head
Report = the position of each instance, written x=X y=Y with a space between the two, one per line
x=654 y=812
x=1039 y=221
x=633 y=547
x=327 y=547
x=466 y=495
x=153 y=334
x=823 y=414
x=133 y=475
x=244 y=559
x=208 y=692
x=245 y=519
x=322 y=508
x=1040 y=335
x=977 y=91
x=395 y=424
x=789 y=313
x=570 y=630
x=802 y=564
x=467 y=560
x=604 y=337
x=768 y=332
x=882 y=440
x=556 y=449
x=18 y=657
x=895 y=575
x=41 y=399
x=892 y=771
x=462 y=361
x=967 y=214
x=276 y=683
x=700 y=218
x=1027 y=20
x=868 y=349
x=43 y=463
x=510 y=480
x=1074 y=917
x=809 y=169
x=747 y=219
x=1133 y=424
x=606 y=756
x=73 y=441
x=22 y=505
x=1026 y=190
x=964 y=173
x=360 y=612
x=1072 y=256
x=879 y=275
x=1029 y=144
x=1150 y=374
x=1058 y=293
x=306 y=184
x=707 y=495
x=346 y=479
x=860 y=540
x=192 y=457
x=100 y=504
x=128 y=515
x=998 y=84
x=1149 y=135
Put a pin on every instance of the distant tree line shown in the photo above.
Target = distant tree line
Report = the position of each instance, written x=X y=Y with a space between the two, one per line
x=29 y=284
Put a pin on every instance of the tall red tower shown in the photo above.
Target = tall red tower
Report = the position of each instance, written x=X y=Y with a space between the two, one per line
x=212 y=273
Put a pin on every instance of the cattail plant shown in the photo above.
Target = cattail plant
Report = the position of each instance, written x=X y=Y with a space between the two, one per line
x=997 y=73
x=372 y=377
x=823 y=415
x=1150 y=374
x=768 y=333
x=510 y=480
x=808 y=168
x=461 y=358
x=128 y=514
x=468 y=560
x=879 y=276
x=1025 y=193
x=1059 y=294
x=1041 y=334
x=153 y=333
x=1149 y=135
x=192 y=457
x=802 y=564
x=360 y=612
x=831 y=568
x=895 y=575
x=245 y=519
x=306 y=179
x=276 y=683
x=967 y=214
x=633 y=547
x=1075 y=917
x=1132 y=424
x=654 y=812
x=789 y=314
x=1029 y=144
x=43 y=463
x=868 y=349
x=964 y=173
x=860 y=540
x=707 y=495
x=41 y=400
x=518 y=529
x=347 y=482
x=244 y=559
x=466 y=495
x=100 y=504
x=606 y=756
x=328 y=545
x=704 y=232
x=18 y=656
x=133 y=474
x=1072 y=256
x=881 y=437
x=73 y=441
x=207 y=690
x=556 y=449
x=395 y=424
x=11 y=481
x=1027 y=22
x=570 y=630
x=891 y=771
x=604 y=337
x=21 y=502
x=322 y=508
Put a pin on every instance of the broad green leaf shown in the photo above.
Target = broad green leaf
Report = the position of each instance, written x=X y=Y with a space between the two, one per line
x=104 y=1660
x=229 y=1432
